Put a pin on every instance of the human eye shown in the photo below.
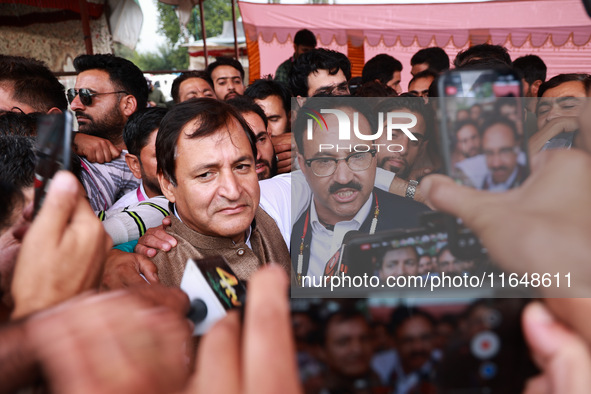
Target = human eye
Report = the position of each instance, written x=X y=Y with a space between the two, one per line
x=243 y=167
x=543 y=109
x=208 y=93
x=205 y=176
x=262 y=138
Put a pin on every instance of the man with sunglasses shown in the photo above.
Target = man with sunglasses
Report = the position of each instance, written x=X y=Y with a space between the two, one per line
x=108 y=90
x=341 y=175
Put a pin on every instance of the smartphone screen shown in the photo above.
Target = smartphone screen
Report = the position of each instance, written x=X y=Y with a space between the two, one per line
x=483 y=143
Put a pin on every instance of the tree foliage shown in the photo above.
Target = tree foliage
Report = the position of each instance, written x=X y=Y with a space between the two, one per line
x=216 y=12
x=173 y=56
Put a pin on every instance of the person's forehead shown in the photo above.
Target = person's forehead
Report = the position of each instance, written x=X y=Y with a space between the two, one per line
x=224 y=72
x=468 y=129
x=255 y=122
x=94 y=79
x=151 y=141
x=417 y=68
x=194 y=82
x=271 y=105
x=424 y=81
x=401 y=253
x=231 y=130
x=498 y=133
x=570 y=88
x=321 y=135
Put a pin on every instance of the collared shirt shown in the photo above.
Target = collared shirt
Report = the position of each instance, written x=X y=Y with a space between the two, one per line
x=106 y=183
x=325 y=242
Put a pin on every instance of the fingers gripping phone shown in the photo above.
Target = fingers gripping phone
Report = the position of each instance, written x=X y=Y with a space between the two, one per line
x=482 y=140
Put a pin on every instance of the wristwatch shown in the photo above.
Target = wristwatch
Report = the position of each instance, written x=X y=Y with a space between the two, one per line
x=411 y=189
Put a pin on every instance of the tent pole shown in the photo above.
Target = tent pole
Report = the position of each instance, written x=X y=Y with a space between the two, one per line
x=201 y=13
x=235 y=32
x=86 y=26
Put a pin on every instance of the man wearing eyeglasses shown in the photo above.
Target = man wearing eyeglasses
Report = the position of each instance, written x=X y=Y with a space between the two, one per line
x=342 y=183
x=108 y=90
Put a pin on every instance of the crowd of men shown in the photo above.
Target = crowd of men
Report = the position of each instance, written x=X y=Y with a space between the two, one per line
x=235 y=171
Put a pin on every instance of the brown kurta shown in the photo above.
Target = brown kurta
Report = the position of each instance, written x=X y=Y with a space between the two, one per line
x=267 y=243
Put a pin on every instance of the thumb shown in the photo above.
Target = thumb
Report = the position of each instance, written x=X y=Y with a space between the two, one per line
x=442 y=193
x=559 y=352
x=59 y=204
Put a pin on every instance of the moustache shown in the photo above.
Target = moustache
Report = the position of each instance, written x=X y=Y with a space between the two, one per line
x=335 y=187
x=83 y=115
x=499 y=168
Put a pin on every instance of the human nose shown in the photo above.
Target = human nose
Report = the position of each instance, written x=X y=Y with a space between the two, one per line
x=76 y=104
x=229 y=186
x=404 y=142
x=342 y=174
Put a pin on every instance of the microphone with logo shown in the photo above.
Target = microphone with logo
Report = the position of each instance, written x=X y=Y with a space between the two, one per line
x=339 y=262
x=213 y=290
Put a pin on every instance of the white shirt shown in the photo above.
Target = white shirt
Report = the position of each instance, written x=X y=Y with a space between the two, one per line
x=324 y=243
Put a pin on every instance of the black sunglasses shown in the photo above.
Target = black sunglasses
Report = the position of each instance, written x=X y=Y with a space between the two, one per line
x=86 y=95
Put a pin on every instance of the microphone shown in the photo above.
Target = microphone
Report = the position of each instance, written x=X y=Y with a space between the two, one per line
x=213 y=290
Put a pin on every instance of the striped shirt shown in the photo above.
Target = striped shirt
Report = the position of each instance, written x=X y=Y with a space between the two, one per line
x=106 y=183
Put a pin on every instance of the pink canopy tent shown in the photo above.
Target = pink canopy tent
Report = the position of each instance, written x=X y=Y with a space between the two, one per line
x=559 y=31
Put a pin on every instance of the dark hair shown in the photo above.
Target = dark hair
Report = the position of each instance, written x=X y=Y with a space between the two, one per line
x=139 y=128
x=225 y=61
x=17 y=123
x=123 y=74
x=245 y=104
x=424 y=74
x=413 y=104
x=312 y=61
x=493 y=120
x=305 y=37
x=478 y=53
x=463 y=123
x=404 y=313
x=435 y=57
x=263 y=88
x=317 y=103
x=380 y=67
x=375 y=89
x=32 y=83
x=531 y=68
x=17 y=161
x=208 y=116
x=563 y=78
x=176 y=84
x=10 y=198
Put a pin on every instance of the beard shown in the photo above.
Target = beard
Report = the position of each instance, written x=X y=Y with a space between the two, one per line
x=402 y=173
x=150 y=183
x=109 y=127
x=272 y=168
